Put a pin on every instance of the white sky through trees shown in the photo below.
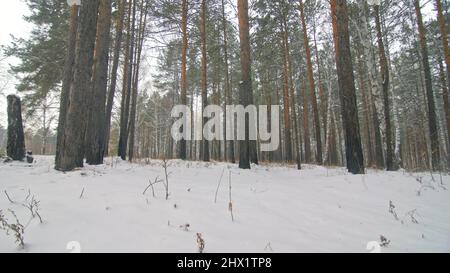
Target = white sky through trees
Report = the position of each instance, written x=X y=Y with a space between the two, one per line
x=12 y=23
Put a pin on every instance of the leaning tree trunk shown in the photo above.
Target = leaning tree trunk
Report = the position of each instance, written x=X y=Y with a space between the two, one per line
x=347 y=92
x=16 y=141
x=72 y=148
x=432 y=119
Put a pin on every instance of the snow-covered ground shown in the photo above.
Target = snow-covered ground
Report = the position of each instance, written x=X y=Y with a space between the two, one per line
x=275 y=208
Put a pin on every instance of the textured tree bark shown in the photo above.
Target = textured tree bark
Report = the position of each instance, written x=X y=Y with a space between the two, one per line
x=347 y=92
x=444 y=39
x=205 y=143
x=72 y=145
x=385 y=86
x=229 y=145
x=245 y=88
x=127 y=82
x=95 y=136
x=312 y=87
x=115 y=67
x=15 y=147
x=432 y=119
x=67 y=79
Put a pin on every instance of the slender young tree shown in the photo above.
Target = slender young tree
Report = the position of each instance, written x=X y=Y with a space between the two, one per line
x=312 y=86
x=286 y=98
x=432 y=118
x=115 y=66
x=135 y=84
x=347 y=92
x=184 y=21
x=127 y=81
x=384 y=68
x=229 y=145
x=205 y=143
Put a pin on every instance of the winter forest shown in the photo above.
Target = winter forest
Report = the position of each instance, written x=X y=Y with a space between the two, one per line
x=356 y=92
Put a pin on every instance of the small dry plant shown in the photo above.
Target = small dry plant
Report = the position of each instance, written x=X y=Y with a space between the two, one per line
x=230 y=203
x=15 y=229
x=392 y=210
x=200 y=243
x=165 y=165
x=31 y=204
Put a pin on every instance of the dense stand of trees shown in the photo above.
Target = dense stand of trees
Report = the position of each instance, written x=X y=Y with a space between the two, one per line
x=360 y=83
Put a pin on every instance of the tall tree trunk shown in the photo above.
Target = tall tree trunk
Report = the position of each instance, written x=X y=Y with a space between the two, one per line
x=115 y=67
x=444 y=39
x=127 y=82
x=312 y=87
x=286 y=101
x=72 y=144
x=366 y=39
x=137 y=64
x=205 y=143
x=245 y=88
x=322 y=92
x=385 y=86
x=95 y=135
x=366 y=107
x=67 y=80
x=432 y=119
x=347 y=92
x=184 y=19
x=293 y=104
x=229 y=144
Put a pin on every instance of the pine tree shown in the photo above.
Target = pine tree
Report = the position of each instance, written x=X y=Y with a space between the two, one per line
x=66 y=81
x=353 y=148
x=432 y=119
x=72 y=149
x=205 y=144
x=245 y=88
x=95 y=135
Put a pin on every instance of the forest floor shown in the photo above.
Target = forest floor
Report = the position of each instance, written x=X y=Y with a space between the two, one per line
x=275 y=208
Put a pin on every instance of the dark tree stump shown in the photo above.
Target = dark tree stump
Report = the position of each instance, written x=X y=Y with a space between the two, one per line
x=16 y=141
